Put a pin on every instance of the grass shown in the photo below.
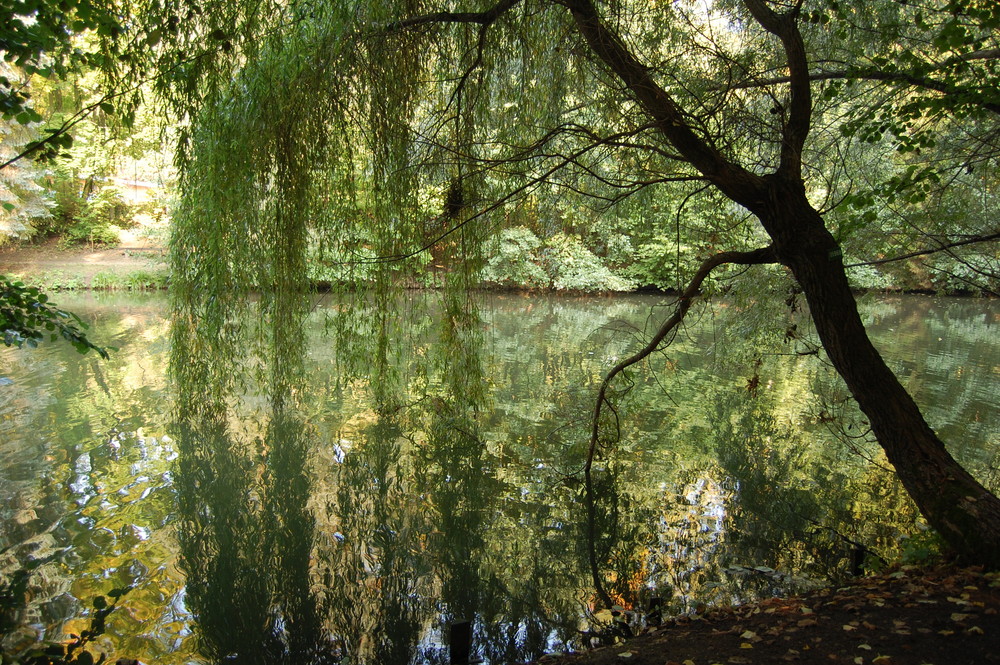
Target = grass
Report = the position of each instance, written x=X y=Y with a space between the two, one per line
x=133 y=280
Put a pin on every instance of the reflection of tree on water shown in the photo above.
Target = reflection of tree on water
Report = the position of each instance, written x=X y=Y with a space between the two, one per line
x=246 y=539
x=367 y=532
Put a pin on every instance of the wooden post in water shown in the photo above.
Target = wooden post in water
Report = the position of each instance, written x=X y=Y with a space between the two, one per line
x=460 y=643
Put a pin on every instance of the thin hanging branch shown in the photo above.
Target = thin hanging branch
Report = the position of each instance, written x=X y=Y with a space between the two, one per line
x=756 y=257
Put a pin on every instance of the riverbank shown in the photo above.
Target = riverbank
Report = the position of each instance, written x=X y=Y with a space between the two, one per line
x=138 y=263
x=909 y=616
x=134 y=264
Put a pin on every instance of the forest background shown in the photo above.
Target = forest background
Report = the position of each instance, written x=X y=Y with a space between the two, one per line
x=909 y=189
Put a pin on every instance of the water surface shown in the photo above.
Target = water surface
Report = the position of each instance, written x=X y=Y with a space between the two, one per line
x=362 y=525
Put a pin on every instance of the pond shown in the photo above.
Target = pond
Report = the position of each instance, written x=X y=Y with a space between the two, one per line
x=389 y=508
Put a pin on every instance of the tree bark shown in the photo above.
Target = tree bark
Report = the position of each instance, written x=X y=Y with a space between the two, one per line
x=964 y=512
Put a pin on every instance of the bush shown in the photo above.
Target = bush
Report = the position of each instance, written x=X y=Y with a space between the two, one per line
x=515 y=261
x=573 y=267
x=654 y=262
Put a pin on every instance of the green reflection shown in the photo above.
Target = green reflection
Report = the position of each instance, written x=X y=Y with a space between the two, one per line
x=327 y=507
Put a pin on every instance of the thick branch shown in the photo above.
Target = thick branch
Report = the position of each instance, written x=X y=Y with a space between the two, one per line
x=796 y=129
x=736 y=182
x=482 y=18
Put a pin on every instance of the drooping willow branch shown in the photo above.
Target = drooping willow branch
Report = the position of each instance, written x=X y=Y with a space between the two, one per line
x=755 y=257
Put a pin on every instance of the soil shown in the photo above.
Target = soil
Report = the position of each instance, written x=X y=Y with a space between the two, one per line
x=942 y=616
x=83 y=262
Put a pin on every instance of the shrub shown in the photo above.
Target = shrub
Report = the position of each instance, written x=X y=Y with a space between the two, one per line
x=516 y=261
x=573 y=267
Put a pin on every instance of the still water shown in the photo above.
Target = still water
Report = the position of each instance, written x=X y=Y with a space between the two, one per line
x=448 y=488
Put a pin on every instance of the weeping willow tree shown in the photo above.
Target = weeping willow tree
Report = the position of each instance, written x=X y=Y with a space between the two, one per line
x=384 y=135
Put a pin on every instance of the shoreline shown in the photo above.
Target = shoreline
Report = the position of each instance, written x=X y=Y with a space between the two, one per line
x=141 y=265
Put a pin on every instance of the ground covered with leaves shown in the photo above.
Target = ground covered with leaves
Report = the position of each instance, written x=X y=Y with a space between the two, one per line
x=943 y=616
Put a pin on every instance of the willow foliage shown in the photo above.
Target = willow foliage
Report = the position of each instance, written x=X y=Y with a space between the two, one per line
x=381 y=139
x=331 y=130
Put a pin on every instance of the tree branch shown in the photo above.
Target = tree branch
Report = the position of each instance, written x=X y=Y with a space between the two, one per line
x=796 y=130
x=756 y=257
x=875 y=75
x=734 y=181
x=481 y=18
x=933 y=250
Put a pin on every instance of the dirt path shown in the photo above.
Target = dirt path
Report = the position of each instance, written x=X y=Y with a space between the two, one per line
x=942 y=616
x=81 y=264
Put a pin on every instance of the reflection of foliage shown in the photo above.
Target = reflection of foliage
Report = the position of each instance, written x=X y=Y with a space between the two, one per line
x=779 y=516
x=27 y=317
x=462 y=498
x=12 y=595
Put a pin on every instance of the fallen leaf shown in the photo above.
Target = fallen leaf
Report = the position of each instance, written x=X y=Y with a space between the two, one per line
x=850 y=627
x=749 y=635
x=746 y=645
x=806 y=622
x=625 y=654
x=959 y=617
x=882 y=660
x=974 y=630
x=866 y=647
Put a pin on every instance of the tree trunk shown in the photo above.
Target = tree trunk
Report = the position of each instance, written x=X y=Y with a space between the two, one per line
x=964 y=512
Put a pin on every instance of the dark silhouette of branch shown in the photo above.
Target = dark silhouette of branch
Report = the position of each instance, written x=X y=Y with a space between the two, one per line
x=933 y=250
x=796 y=128
x=759 y=256
x=481 y=18
x=756 y=257
x=907 y=78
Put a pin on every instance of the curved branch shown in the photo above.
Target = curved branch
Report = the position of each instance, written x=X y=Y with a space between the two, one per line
x=796 y=130
x=756 y=257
